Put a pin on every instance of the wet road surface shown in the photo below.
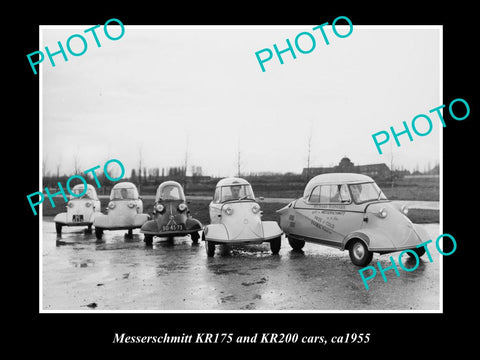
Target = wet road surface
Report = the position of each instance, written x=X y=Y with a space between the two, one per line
x=80 y=274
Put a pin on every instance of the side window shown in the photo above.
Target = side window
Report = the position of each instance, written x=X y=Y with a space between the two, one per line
x=344 y=194
x=315 y=195
x=216 y=196
x=326 y=194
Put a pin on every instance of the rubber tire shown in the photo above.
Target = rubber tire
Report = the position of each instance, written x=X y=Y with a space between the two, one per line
x=419 y=251
x=98 y=233
x=148 y=239
x=88 y=230
x=275 y=245
x=129 y=234
x=210 y=248
x=367 y=257
x=195 y=237
x=296 y=245
x=58 y=228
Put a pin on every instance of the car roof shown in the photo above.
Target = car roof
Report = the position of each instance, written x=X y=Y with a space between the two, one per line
x=232 y=181
x=169 y=182
x=335 y=178
x=340 y=178
x=89 y=187
x=125 y=185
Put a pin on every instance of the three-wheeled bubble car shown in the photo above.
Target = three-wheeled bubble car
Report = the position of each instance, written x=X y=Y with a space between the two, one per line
x=171 y=216
x=81 y=209
x=350 y=212
x=124 y=211
x=236 y=218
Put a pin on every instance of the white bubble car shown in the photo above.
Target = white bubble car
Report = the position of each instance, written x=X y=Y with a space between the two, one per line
x=81 y=209
x=124 y=211
x=236 y=218
x=350 y=212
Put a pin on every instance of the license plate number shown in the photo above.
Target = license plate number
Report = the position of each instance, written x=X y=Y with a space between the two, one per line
x=175 y=227
x=77 y=218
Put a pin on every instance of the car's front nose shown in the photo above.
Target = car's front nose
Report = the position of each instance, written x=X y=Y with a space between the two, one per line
x=242 y=221
x=391 y=229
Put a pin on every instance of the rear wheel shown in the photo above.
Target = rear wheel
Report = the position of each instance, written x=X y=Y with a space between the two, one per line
x=88 y=230
x=210 y=248
x=148 y=239
x=129 y=234
x=359 y=253
x=58 y=228
x=275 y=245
x=296 y=245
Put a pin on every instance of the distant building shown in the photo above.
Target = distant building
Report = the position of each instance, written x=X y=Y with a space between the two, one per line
x=375 y=171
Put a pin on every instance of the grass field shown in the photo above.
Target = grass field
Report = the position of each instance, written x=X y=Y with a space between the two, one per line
x=199 y=210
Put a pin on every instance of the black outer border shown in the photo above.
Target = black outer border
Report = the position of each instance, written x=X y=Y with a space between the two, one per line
x=85 y=334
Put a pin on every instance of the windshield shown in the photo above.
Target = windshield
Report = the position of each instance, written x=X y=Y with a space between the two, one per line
x=78 y=189
x=236 y=192
x=124 y=194
x=366 y=192
x=170 y=192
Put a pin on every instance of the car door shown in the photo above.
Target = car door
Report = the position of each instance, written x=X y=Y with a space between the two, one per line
x=330 y=214
x=215 y=207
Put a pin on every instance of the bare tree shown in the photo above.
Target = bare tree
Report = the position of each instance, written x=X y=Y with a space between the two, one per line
x=309 y=150
x=238 y=158
x=140 y=158
x=76 y=164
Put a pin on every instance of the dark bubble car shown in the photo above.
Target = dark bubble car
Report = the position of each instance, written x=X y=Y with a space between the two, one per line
x=171 y=216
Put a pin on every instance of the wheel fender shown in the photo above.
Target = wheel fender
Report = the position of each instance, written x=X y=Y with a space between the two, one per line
x=215 y=232
x=140 y=219
x=149 y=227
x=61 y=218
x=421 y=233
x=101 y=221
x=271 y=229
x=193 y=224
x=356 y=235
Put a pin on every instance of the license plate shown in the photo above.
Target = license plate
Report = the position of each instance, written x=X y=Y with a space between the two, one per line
x=77 y=218
x=173 y=227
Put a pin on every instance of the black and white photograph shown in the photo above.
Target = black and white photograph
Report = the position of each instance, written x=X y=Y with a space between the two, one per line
x=243 y=189
x=200 y=183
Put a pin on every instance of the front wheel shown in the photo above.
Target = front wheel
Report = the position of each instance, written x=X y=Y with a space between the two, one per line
x=275 y=245
x=210 y=248
x=58 y=228
x=148 y=239
x=359 y=253
x=419 y=251
x=296 y=245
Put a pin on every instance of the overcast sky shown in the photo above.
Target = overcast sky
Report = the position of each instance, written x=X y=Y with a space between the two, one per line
x=158 y=88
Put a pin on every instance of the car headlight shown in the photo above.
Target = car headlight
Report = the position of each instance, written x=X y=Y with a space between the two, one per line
x=88 y=204
x=111 y=204
x=159 y=208
x=228 y=210
x=182 y=207
x=70 y=204
x=255 y=209
x=382 y=213
x=131 y=204
x=404 y=209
